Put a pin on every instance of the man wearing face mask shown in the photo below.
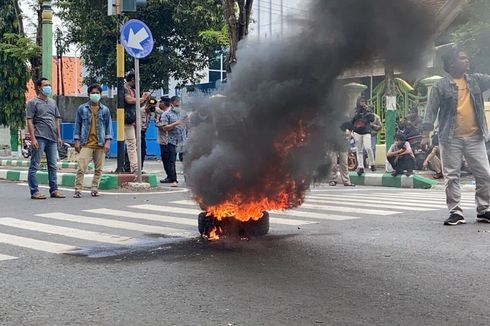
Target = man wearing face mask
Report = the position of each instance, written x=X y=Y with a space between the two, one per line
x=93 y=134
x=43 y=123
x=173 y=121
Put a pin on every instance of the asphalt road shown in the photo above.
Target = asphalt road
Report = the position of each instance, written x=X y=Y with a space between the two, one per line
x=389 y=262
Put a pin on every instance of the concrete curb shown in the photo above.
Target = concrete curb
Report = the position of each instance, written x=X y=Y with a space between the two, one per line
x=25 y=163
x=107 y=181
x=387 y=180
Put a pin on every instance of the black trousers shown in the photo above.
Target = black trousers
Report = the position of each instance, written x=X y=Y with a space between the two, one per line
x=405 y=162
x=169 y=156
x=143 y=147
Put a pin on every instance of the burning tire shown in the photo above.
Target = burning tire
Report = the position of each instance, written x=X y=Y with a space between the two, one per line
x=230 y=226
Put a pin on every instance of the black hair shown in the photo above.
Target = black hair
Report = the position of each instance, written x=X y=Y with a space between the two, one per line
x=449 y=57
x=360 y=99
x=400 y=136
x=165 y=99
x=130 y=76
x=91 y=87
x=174 y=98
x=39 y=82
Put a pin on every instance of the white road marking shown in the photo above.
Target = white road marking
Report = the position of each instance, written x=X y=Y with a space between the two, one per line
x=52 y=247
x=393 y=199
x=273 y=220
x=64 y=231
x=117 y=224
x=363 y=204
x=7 y=257
x=144 y=216
x=324 y=216
x=349 y=209
x=353 y=200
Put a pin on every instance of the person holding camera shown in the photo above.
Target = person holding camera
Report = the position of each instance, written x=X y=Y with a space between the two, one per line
x=147 y=110
x=400 y=156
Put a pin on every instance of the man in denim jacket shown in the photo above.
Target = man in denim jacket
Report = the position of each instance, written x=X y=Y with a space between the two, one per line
x=457 y=101
x=93 y=134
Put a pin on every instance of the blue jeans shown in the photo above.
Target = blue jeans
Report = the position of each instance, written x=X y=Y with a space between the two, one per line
x=51 y=149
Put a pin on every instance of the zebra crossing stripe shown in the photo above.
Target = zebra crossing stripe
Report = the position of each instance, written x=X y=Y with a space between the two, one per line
x=64 y=231
x=51 y=247
x=348 y=209
x=352 y=200
x=402 y=198
x=116 y=224
x=170 y=209
x=273 y=220
x=144 y=216
x=323 y=216
x=393 y=199
x=365 y=203
x=7 y=257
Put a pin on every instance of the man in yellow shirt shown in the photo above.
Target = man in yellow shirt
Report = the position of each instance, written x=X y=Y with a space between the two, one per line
x=93 y=134
x=457 y=102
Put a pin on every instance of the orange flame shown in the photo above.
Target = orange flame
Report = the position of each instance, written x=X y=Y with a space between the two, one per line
x=213 y=234
x=278 y=191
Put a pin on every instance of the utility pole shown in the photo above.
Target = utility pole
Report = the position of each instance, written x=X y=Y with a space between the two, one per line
x=120 y=92
x=270 y=18
x=47 y=44
x=390 y=97
x=258 y=19
x=282 y=18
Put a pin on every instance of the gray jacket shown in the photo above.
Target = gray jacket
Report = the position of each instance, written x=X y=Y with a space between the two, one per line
x=443 y=102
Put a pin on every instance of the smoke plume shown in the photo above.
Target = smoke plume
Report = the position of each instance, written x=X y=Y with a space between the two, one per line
x=286 y=92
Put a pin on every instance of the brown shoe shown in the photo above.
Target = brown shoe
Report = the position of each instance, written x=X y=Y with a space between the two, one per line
x=57 y=194
x=38 y=195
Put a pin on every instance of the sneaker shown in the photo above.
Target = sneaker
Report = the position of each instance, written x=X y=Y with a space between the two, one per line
x=394 y=173
x=483 y=218
x=360 y=171
x=77 y=194
x=332 y=183
x=349 y=185
x=166 y=180
x=455 y=219
x=373 y=168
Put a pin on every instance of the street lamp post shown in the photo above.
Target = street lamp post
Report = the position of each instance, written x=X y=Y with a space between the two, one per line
x=47 y=43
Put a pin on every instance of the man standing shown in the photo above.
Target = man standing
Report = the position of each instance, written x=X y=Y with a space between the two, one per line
x=340 y=160
x=362 y=134
x=43 y=123
x=164 y=106
x=458 y=102
x=93 y=134
x=130 y=119
x=173 y=121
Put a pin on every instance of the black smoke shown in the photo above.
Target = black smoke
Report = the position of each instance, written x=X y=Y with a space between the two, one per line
x=278 y=87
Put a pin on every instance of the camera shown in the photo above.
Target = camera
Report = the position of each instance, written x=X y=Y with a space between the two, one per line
x=152 y=102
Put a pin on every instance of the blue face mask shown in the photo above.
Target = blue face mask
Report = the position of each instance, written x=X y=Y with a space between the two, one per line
x=47 y=90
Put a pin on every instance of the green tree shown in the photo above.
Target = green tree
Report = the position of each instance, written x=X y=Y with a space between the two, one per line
x=181 y=49
x=474 y=34
x=15 y=51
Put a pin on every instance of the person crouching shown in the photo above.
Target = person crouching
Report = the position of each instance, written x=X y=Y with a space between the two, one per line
x=400 y=156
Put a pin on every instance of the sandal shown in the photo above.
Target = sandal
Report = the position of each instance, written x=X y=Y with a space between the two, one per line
x=38 y=195
x=94 y=193
x=57 y=194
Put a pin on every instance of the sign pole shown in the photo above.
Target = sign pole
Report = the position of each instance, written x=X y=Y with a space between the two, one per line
x=138 y=116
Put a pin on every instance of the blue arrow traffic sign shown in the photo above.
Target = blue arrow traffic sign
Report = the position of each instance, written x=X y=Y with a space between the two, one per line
x=136 y=38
